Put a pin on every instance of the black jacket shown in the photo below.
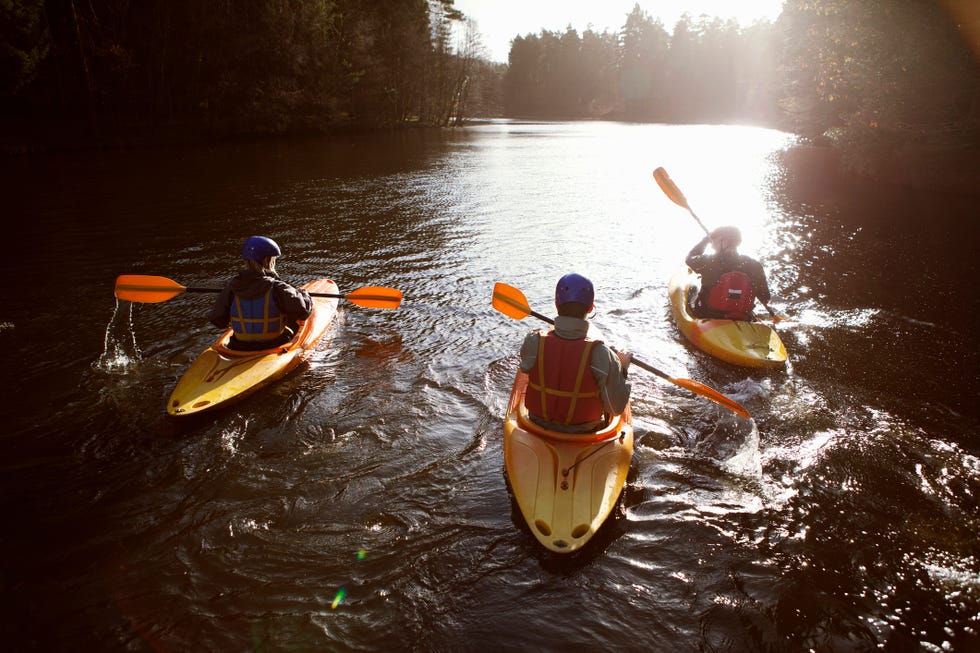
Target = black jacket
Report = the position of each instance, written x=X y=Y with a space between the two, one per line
x=712 y=266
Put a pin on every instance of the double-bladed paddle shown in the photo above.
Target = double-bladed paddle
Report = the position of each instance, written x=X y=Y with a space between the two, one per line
x=511 y=302
x=152 y=289
x=675 y=195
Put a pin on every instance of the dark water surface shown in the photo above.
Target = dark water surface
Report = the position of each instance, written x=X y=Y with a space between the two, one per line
x=361 y=504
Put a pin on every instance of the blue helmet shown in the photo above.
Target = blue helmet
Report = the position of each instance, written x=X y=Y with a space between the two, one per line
x=574 y=288
x=257 y=248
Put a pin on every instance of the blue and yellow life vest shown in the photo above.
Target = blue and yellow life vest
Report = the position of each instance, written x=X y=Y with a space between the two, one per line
x=256 y=319
x=560 y=386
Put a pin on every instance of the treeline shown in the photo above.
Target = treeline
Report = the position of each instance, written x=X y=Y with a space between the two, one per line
x=707 y=70
x=231 y=67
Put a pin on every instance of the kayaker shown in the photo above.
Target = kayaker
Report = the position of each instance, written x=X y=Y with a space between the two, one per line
x=561 y=394
x=730 y=282
x=262 y=309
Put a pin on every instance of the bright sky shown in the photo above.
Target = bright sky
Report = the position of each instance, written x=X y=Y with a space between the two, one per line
x=499 y=21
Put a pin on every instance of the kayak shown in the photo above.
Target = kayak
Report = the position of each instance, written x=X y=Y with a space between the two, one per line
x=565 y=484
x=221 y=375
x=749 y=344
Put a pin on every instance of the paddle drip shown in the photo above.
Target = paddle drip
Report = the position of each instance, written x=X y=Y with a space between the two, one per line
x=120 y=340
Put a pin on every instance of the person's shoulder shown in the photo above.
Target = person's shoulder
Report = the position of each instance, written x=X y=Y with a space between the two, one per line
x=278 y=283
x=600 y=348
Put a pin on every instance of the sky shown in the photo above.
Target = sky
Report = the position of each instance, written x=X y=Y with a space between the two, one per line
x=499 y=21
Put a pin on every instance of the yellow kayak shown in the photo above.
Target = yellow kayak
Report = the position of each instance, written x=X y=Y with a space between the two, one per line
x=220 y=375
x=749 y=344
x=566 y=484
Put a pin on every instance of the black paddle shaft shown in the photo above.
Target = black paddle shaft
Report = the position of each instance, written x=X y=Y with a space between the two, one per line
x=312 y=294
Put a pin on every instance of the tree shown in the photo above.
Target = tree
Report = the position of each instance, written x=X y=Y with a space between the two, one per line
x=24 y=43
x=600 y=74
x=892 y=83
x=523 y=79
x=875 y=65
x=642 y=65
x=756 y=75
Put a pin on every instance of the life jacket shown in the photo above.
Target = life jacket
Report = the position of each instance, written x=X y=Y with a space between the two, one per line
x=560 y=385
x=733 y=296
x=257 y=318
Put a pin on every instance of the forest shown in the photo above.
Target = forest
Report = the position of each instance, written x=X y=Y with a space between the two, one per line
x=872 y=76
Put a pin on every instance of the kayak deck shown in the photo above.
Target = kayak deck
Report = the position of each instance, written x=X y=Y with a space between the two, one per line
x=748 y=344
x=220 y=375
x=565 y=484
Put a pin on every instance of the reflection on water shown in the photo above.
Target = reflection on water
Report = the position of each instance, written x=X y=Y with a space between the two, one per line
x=842 y=517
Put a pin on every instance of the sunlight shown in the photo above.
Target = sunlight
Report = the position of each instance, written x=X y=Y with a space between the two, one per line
x=721 y=171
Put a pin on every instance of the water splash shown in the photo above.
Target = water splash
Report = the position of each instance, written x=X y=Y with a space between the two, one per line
x=746 y=461
x=734 y=445
x=120 y=351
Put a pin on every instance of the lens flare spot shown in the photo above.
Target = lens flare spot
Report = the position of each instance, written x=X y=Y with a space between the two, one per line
x=361 y=554
x=337 y=600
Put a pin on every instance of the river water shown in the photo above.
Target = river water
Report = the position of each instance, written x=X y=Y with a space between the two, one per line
x=361 y=503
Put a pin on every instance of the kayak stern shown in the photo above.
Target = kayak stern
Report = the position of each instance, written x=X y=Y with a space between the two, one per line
x=565 y=484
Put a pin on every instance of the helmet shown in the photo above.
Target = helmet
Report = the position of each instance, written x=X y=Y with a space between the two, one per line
x=257 y=248
x=728 y=233
x=574 y=288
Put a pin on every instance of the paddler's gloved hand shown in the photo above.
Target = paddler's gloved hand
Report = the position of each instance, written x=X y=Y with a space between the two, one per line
x=625 y=358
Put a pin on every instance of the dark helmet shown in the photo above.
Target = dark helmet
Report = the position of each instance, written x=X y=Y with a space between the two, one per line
x=728 y=233
x=574 y=288
x=257 y=248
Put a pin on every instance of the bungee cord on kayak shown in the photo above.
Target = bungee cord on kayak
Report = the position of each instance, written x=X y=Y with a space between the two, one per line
x=567 y=470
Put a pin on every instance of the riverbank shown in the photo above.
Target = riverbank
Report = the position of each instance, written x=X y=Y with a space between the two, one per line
x=822 y=164
x=19 y=136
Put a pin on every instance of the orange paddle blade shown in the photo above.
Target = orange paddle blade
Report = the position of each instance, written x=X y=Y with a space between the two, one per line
x=146 y=288
x=510 y=301
x=669 y=188
x=375 y=297
x=713 y=395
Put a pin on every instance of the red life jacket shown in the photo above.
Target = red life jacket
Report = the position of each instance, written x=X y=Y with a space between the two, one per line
x=733 y=296
x=560 y=385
